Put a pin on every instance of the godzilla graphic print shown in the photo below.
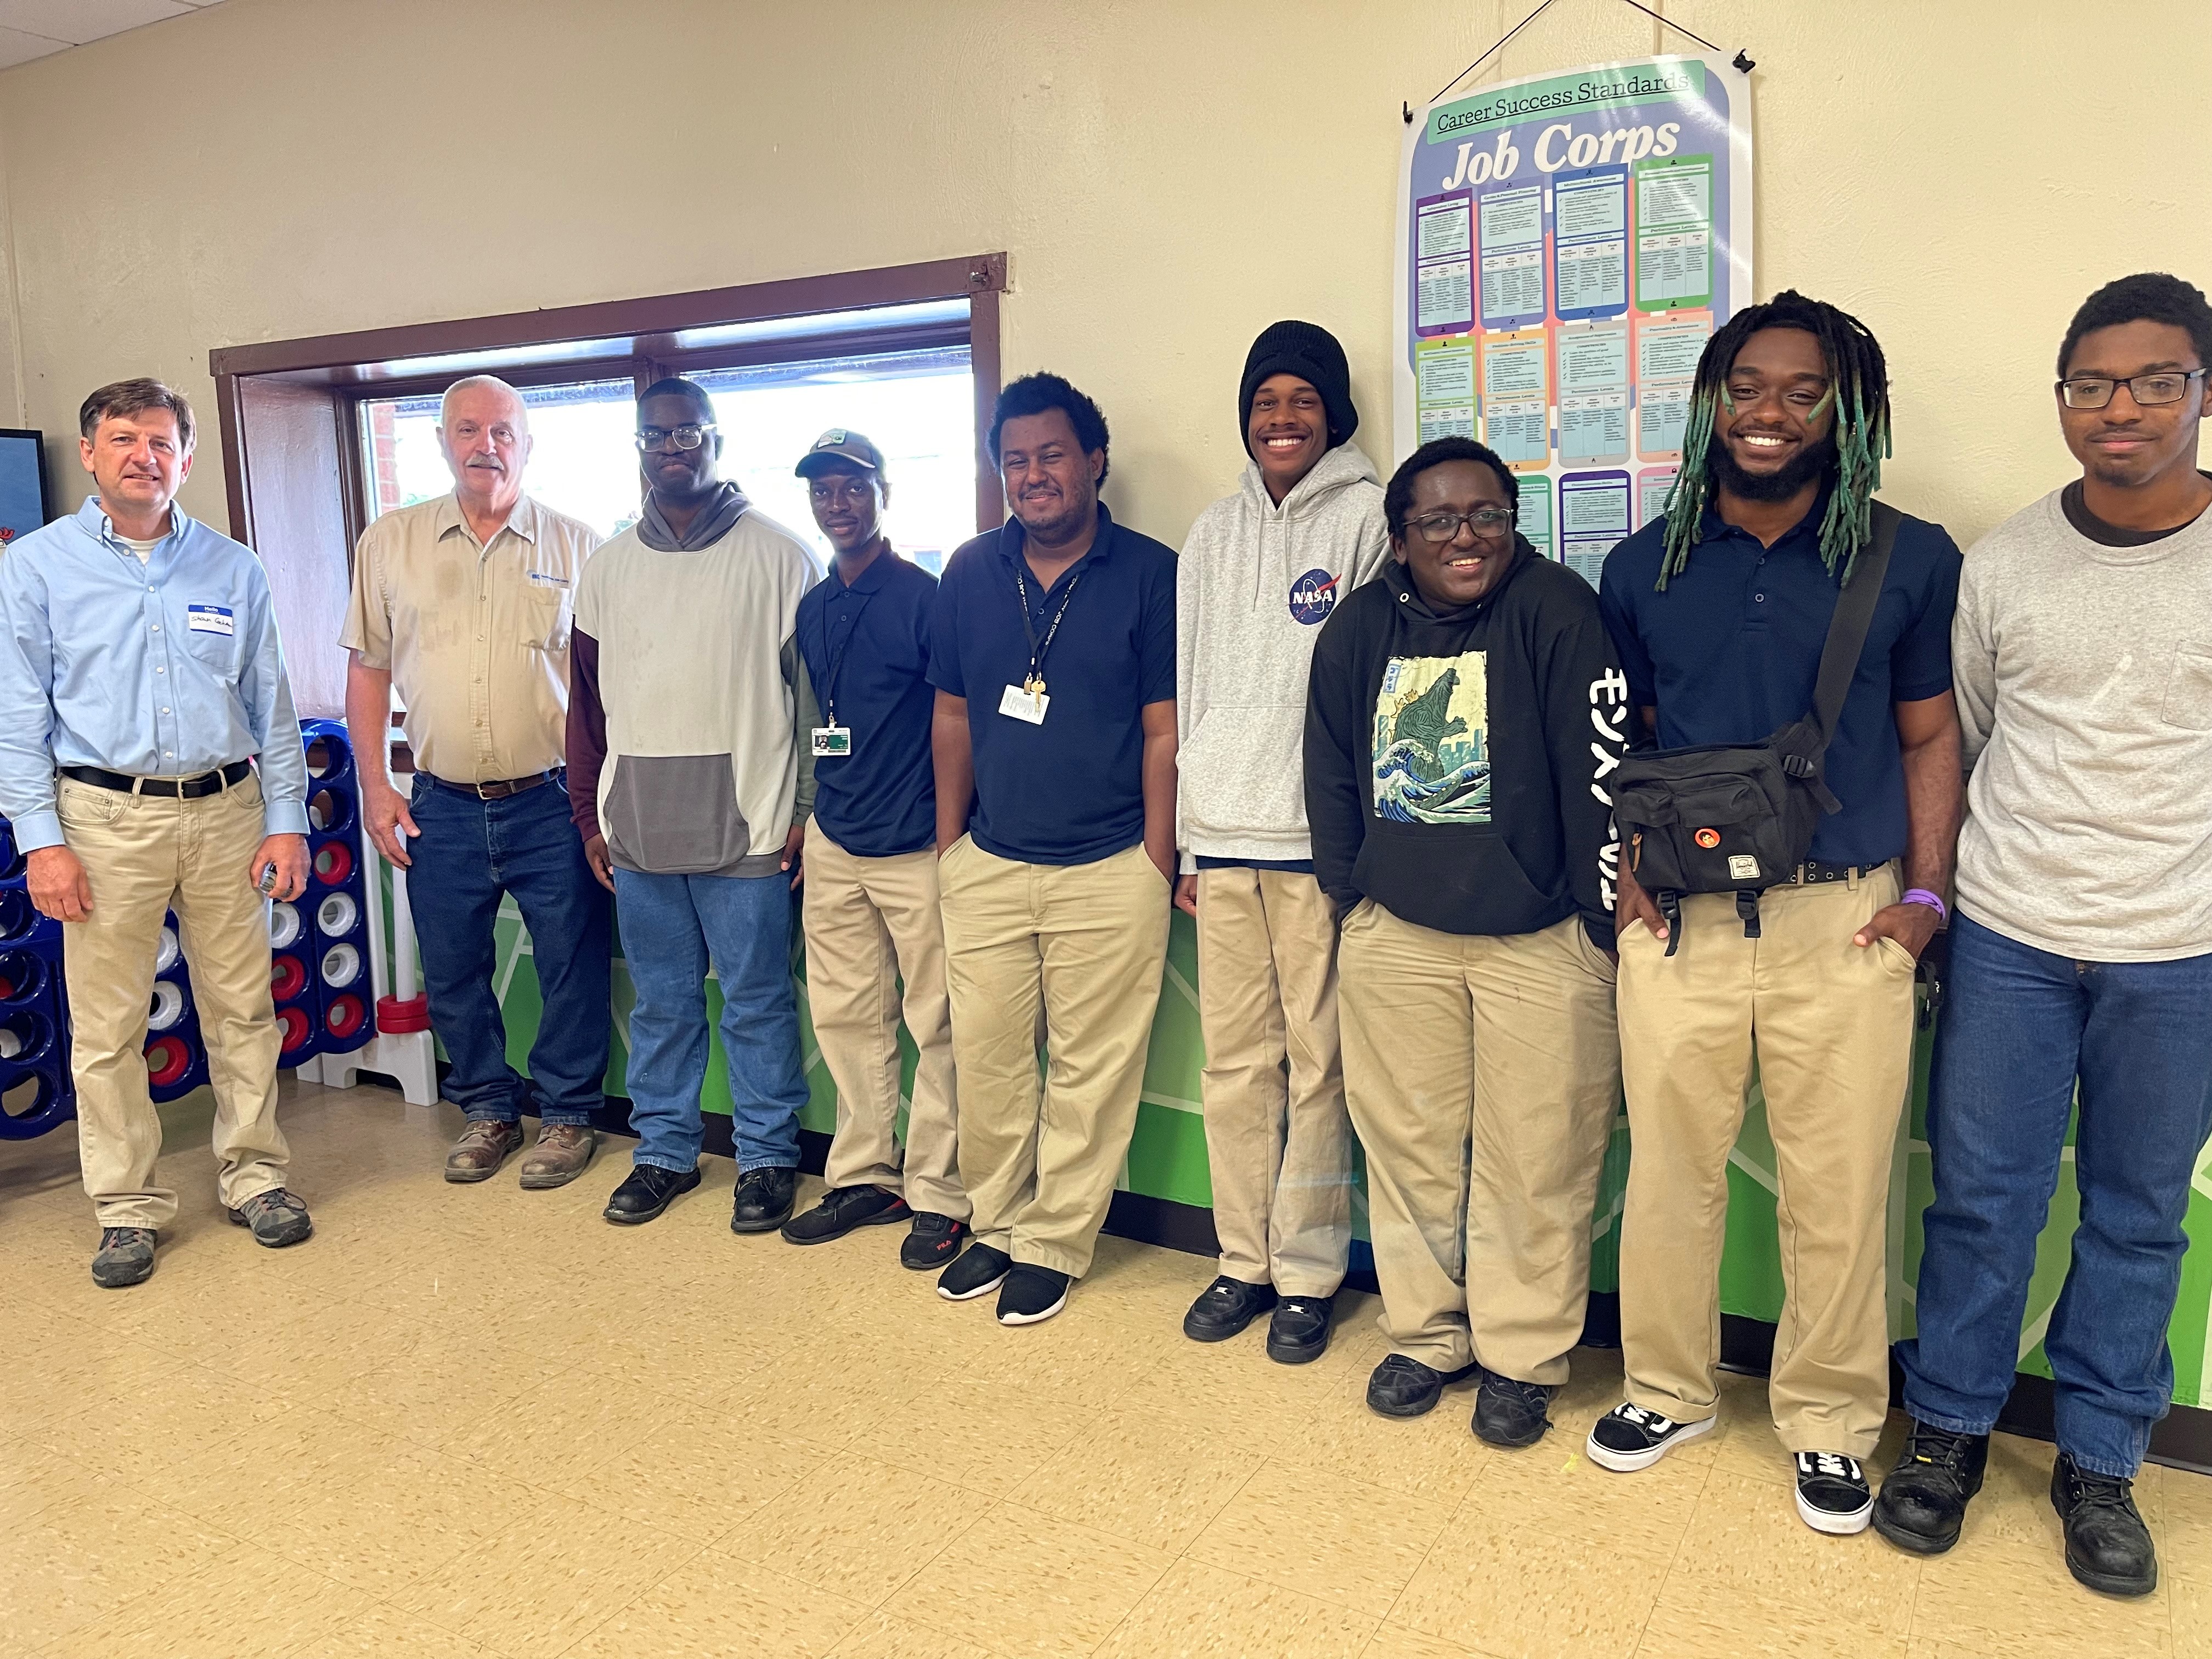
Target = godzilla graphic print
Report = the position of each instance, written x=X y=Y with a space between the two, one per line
x=1430 y=742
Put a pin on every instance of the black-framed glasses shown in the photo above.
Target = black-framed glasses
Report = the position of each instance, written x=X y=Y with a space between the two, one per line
x=1487 y=522
x=2165 y=385
x=681 y=437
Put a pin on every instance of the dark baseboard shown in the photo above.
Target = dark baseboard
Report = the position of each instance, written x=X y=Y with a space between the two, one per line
x=2182 y=1441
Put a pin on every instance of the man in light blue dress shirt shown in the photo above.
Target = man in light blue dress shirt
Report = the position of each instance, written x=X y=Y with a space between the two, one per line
x=141 y=679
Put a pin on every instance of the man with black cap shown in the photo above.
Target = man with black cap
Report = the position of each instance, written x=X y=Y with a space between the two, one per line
x=870 y=893
x=1260 y=573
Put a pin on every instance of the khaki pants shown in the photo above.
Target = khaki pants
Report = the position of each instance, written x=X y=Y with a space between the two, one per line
x=1832 y=1024
x=1483 y=1074
x=143 y=856
x=1278 y=1142
x=1082 y=946
x=869 y=923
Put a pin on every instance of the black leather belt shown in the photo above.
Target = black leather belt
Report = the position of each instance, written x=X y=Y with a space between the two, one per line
x=207 y=783
x=1813 y=872
x=498 y=788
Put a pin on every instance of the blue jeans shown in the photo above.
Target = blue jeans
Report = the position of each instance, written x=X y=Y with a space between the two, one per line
x=469 y=854
x=2020 y=1027
x=671 y=927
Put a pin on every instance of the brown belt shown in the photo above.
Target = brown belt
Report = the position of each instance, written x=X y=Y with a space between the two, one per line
x=498 y=788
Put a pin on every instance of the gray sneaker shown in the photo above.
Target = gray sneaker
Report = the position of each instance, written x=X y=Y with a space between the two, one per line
x=126 y=1257
x=277 y=1217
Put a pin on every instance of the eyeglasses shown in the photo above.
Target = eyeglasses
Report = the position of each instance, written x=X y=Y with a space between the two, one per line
x=1487 y=522
x=2167 y=385
x=683 y=437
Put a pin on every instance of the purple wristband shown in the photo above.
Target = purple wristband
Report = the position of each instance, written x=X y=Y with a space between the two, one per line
x=1922 y=895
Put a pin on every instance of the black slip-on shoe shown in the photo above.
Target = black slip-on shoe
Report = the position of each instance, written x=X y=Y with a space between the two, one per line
x=764 y=1200
x=978 y=1273
x=276 y=1218
x=1032 y=1295
x=1924 y=1501
x=1832 y=1493
x=2107 y=1547
x=1298 y=1333
x=1400 y=1386
x=1628 y=1437
x=646 y=1192
x=1225 y=1308
x=126 y=1257
x=1510 y=1413
x=932 y=1241
x=843 y=1209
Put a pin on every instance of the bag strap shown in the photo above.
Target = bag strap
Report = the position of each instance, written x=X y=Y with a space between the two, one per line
x=1847 y=629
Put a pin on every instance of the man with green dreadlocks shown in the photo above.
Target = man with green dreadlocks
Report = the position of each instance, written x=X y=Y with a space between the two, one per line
x=1720 y=611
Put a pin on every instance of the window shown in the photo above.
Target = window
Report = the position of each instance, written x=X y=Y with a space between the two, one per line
x=582 y=461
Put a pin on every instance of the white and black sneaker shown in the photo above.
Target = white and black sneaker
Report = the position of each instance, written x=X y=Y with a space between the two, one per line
x=1628 y=1437
x=1832 y=1493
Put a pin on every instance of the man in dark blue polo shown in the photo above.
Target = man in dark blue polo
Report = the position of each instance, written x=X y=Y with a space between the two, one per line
x=871 y=891
x=1053 y=656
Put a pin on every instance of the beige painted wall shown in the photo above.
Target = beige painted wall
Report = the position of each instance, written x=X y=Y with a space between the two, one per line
x=1169 y=176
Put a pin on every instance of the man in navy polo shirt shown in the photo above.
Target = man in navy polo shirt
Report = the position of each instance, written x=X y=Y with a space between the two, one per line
x=1053 y=657
x=1720 y=611
x=871 y=890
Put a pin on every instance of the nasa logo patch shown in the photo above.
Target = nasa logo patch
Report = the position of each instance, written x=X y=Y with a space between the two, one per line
x=1313 y=596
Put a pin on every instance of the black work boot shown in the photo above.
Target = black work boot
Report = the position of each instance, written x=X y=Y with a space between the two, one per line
x=2107 y=1547
x=764 y=1200
x=1923 y=1503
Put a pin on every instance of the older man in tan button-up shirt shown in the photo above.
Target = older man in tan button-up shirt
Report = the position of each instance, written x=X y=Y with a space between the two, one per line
x=463 y=604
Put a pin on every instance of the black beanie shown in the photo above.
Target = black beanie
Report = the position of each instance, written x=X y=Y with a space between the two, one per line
x=1311 y=353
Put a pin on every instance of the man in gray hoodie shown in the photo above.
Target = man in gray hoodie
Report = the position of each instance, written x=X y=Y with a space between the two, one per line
x=1261 y=571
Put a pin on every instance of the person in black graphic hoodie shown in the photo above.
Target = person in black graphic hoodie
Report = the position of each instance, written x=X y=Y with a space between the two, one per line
x=1465 y=709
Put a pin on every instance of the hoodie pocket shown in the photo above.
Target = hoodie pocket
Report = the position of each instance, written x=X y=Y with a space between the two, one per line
x=675 y=815
x=1242 y=770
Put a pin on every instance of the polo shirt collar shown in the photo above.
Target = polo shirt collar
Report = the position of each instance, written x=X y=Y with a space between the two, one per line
x=1712 y=527
x=523 y=521
x=874 y=577
x=1013 y=537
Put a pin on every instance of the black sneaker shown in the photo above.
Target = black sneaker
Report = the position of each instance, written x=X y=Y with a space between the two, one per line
x=126 y=1257
x=1832 y=1493
x=1032 y=1295
x=1400 y=1387
x=1225 y=1308
x=646 y=1192
x=1298 y=1333
x=1629 y=1438
x=842 y=1209
x=978 y=1273
x=764 y=1200
x=1924 y=1501
x=934 y=1241
x=2107 y=1547
x=276 y=1218
x=1510 y=1413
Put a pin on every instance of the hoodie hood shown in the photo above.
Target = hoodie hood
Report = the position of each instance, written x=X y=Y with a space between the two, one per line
x=1337 y=471
x=723 y=508
x=1409 y=596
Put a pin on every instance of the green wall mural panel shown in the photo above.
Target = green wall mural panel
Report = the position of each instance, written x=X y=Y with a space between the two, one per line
x=1167 y=1160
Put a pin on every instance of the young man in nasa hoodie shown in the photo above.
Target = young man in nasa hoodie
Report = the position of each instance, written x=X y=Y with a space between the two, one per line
x=1261 y=571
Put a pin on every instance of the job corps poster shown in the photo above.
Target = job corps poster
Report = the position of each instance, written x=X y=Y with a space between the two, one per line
x=1567 y=245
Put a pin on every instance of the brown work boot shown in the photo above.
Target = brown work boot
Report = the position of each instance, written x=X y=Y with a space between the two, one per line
x=480 y=1150
x=564 y=1151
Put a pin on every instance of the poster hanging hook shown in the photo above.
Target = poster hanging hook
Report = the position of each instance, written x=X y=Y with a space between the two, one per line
x=1742 y=61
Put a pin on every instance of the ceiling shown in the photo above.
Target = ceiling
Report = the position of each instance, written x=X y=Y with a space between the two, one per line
x=34 y=28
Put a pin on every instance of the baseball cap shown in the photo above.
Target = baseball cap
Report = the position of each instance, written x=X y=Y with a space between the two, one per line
x=840 y=443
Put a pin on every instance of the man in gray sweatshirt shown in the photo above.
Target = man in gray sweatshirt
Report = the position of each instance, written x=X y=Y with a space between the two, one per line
x=1261 y=571
x=2081 y=954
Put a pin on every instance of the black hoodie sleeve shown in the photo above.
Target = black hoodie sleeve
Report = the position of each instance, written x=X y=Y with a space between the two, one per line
x=1336 y=757
x=1586 y=727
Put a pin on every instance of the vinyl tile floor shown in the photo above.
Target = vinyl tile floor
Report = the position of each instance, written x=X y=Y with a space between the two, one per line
x=463 y=1422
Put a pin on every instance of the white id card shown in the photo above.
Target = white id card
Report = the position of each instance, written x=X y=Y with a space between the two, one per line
x=832 y=740
x=1025 y=705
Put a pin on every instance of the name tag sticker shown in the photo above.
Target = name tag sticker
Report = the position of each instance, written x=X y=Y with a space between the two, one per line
x=1025 y=705
x=208 y=619
x=547 y=578
x=830 y=740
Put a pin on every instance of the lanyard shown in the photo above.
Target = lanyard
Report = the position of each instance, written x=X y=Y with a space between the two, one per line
x=838 y=662
x=1035 y=682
